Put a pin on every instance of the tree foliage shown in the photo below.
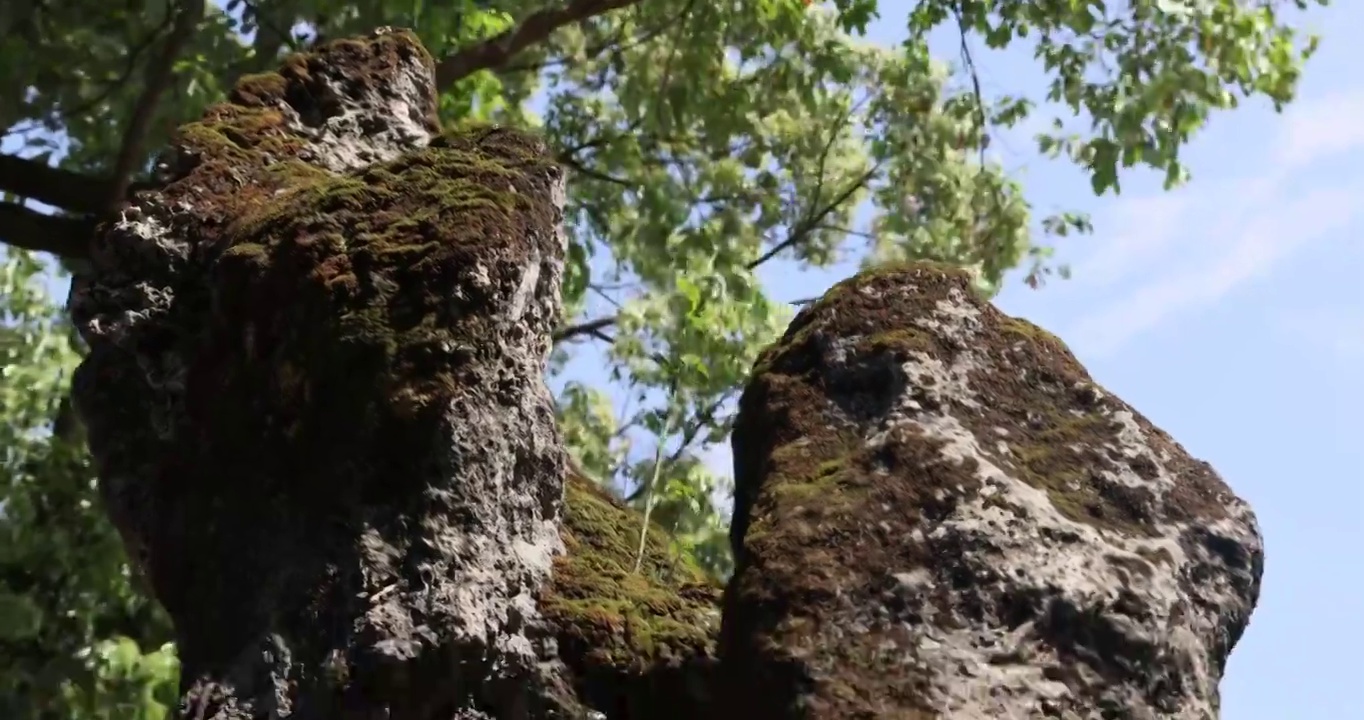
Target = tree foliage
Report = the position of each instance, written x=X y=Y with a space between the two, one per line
x=705 y=139
x=77 y=640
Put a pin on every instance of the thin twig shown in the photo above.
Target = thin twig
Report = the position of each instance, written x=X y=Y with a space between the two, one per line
x=129 y=67
x=653 y=482
x=587 y=328
x=798 y=235
x=813 y=220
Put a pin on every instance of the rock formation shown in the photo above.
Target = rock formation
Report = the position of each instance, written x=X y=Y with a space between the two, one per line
x=316 y=399
x=939 y=514
x=315 y=392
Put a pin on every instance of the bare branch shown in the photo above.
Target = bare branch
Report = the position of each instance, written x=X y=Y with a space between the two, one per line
x=31 y=230
x=270 y=35
x=39 y=181
x=129 y=67
x=160 y=72
x=616 y=44
x=573 y=164
x=815 y=214
x=592 y=327
x=847 y=231
x=496 y=51
x=815 y=218
x=703 y=420
x=813 y=221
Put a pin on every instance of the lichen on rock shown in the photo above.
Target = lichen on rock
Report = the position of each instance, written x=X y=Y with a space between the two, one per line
x=940 y=514
x=315 y=393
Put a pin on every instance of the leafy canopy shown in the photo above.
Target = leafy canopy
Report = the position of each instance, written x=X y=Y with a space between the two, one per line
x=706 y=139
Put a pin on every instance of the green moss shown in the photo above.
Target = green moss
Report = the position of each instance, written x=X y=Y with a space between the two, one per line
x=250 y=252
x=242 y=152
x=238 y=134
x=260 y=88
x=863 y=311
x=434 y=183
x=358 y=284
x=1019 y=329
x=1050 y=461
x=1060 y=447
x=642 y=642
x=926 y=273
x=822 y=518
x=628 y=619
x=295 y=173
x=802 y=476
x=906 y=338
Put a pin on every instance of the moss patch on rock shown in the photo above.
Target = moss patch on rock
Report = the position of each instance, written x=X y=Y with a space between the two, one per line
x=244 y=150
x=334 y=301
x=640 y=644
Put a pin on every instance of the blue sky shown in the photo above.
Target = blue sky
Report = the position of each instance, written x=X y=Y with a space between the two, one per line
x=1231 y=313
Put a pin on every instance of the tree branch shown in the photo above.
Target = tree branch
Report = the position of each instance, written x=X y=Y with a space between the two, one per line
x=815 y=214
x=31 y=230
x=591 y=327
x=129 y=67
x=33 y=180
x=616 y=44
x=270 y=36
x=160 y=72
x=498 y=50
x=812 y=221
x=573 y=164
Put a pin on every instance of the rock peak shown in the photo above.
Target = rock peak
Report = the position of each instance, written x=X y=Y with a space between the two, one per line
x=938 y=511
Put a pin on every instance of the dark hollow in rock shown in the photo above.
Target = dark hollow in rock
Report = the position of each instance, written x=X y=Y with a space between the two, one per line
x=940 y=515
x=315 y=393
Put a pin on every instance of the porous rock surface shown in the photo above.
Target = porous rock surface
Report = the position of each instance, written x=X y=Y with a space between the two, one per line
x=939 y=514
x=315 y=394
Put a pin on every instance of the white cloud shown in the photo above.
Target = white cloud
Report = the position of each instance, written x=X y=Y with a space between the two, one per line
x=1261 y=241
x=1319 y=128
x=1192 y=250
x=1149 y=225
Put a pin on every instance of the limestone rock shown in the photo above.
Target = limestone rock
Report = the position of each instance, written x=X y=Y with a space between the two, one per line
x=939 y=514
x=315 y=393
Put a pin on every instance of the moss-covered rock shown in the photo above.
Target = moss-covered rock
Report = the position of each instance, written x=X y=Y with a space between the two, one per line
x=316 y=395
x=640 y=642
x=940 y=515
